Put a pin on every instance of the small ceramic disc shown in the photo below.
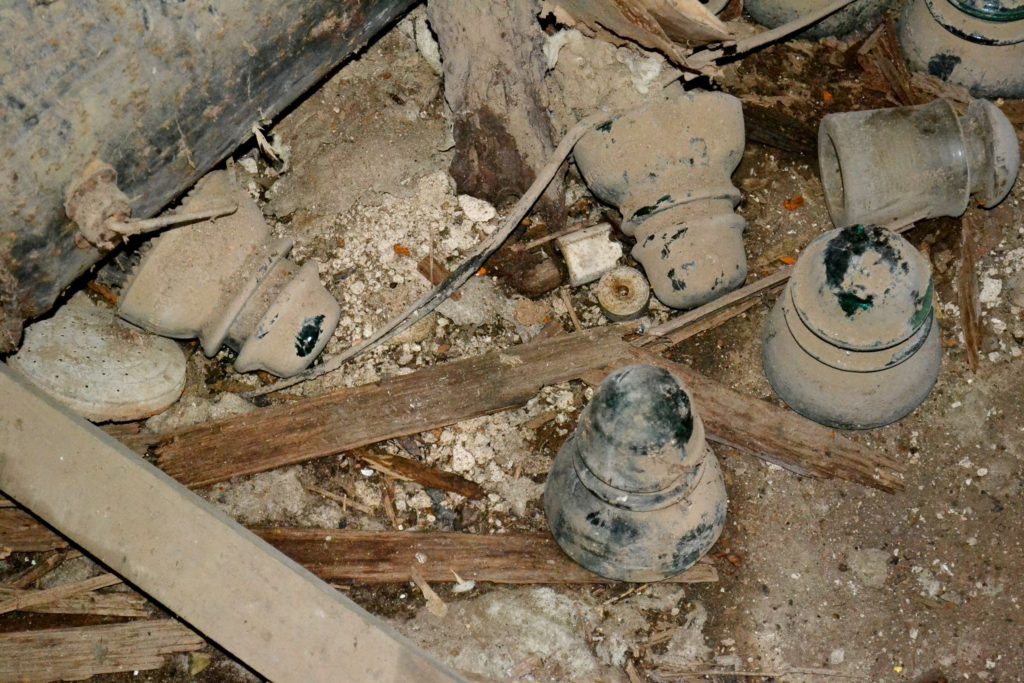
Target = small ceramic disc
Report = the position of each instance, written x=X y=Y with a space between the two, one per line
x=100 y=367
x=623 y=293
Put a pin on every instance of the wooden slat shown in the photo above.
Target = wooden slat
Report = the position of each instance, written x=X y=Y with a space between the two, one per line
x=122 y=604
x=20 y=532
x=386 y=557
x=78 y=653
x=779 y=435
x=449 y=393
x=26 y=599
x=349 y=418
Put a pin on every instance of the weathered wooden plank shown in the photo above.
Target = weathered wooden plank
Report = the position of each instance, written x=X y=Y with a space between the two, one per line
x=445 y=394
x=349 y=418
x=72 y=654
x=26 y=599
x=121 y=604
x=21 y=532
x=780 y=435
x=189 y=556
x=386 y=557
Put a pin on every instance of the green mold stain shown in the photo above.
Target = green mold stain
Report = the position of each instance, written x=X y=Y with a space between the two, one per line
x=851 y=303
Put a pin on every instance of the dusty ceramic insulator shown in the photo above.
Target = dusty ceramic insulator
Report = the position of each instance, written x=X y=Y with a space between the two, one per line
x=635 y=494
x=974 y=43
x=667 y=168
x=860 y=16
x=623 y=293
x=904 y=164
x=228 y=282
x=852 y=342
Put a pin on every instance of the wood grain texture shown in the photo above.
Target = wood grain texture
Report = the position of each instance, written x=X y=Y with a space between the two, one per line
x=779 y=435
x=967 y=288
x=386 y=557
x=349 y=418
x=121 y=604
x=23 y=533
x=23 y=600
x=78 y=653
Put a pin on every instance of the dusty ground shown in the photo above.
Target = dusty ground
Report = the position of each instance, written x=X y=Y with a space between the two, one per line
x=824 y=576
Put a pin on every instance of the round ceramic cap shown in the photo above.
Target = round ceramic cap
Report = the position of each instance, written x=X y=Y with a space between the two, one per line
x=992 y=10
x=642 y=415
x=103 y=369
x=862 y=288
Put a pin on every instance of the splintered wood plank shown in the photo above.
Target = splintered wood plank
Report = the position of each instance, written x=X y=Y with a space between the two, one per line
x=779 y=435
x=967 y=288
x=26 y=599
x=409 y=469
x=20 y=532
x=123 y=604
x=349 y=418
x=63 y=654
x=386 y=557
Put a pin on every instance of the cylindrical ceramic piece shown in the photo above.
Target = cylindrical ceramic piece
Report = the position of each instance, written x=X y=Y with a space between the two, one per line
x=668 y=167
x=974 y=43
x=863 y=15
x=622 y=293
x=635 y=494
x=228 y=282
x=904 y=164
x=852 y=342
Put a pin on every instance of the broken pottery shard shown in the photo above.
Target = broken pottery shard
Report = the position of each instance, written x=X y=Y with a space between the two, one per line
x=100 y=367
x=623 y=293
x=976 y=44
x=852 y=342
x=899 y=165
x=229 y=282
x=589 y=253
x=636 y=494
x=663 y=25
x=667 y=167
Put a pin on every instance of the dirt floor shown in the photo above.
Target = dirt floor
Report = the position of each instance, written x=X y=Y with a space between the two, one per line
x=818 y=580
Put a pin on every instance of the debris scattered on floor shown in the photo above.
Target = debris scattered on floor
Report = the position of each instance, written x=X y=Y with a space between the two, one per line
x=413 y=475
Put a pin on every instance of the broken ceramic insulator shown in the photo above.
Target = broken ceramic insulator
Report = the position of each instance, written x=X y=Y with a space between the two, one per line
x=852 y=342
x=635 y=494
x=667 y=168
x=900 y=165
x=228 y=282
x=858 y=16
x=589 y=253
x=975 y=43
x=622 y=293
x=100 y=367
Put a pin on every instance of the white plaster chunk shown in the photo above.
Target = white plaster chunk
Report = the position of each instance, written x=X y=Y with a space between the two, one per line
x=589 y=253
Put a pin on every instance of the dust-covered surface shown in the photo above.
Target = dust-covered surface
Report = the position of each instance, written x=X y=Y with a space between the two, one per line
x=817 y=579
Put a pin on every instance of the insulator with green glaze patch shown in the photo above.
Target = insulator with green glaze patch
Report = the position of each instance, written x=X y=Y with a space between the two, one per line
x=852 y=341
x=635 y=494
